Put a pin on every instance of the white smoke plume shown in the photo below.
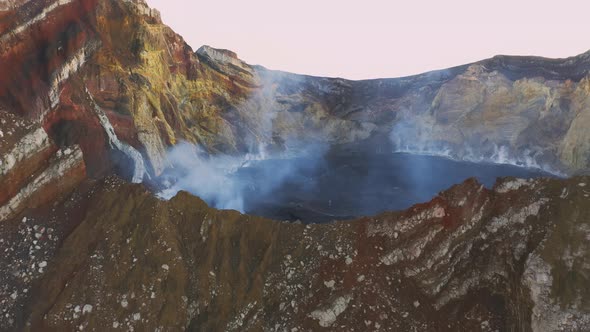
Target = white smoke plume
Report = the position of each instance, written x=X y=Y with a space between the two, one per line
x=218 y=180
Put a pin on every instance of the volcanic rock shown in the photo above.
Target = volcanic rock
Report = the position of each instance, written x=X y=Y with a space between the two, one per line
x=156 y=91
x=92 y=95
x=511 y=258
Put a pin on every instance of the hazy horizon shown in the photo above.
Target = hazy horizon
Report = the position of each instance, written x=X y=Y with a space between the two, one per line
x=378 y=39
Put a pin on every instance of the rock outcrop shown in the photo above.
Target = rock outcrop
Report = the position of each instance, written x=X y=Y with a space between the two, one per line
x=33 y=170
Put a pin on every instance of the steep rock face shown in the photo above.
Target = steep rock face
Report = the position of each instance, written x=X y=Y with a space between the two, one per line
x=33 y=171
x=155 y=91
x=42 y=44
x=473 y=259
x=532 y=119
x=24 y=150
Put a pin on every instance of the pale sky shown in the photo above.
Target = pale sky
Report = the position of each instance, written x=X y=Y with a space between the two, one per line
x=379 y=38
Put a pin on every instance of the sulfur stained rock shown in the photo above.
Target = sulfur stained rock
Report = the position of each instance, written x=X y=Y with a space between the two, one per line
x=156 y=91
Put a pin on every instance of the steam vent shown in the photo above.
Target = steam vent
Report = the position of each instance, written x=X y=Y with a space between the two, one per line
x=146 y=186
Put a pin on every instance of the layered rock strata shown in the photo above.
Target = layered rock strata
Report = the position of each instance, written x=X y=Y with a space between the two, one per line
x=156 y=91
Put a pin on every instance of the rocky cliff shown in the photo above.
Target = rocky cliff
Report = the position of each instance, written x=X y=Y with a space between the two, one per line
x=57 y=56
x=93 y=88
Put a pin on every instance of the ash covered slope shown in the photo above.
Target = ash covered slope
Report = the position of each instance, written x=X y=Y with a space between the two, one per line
x=109 y=79
x=512 y=258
